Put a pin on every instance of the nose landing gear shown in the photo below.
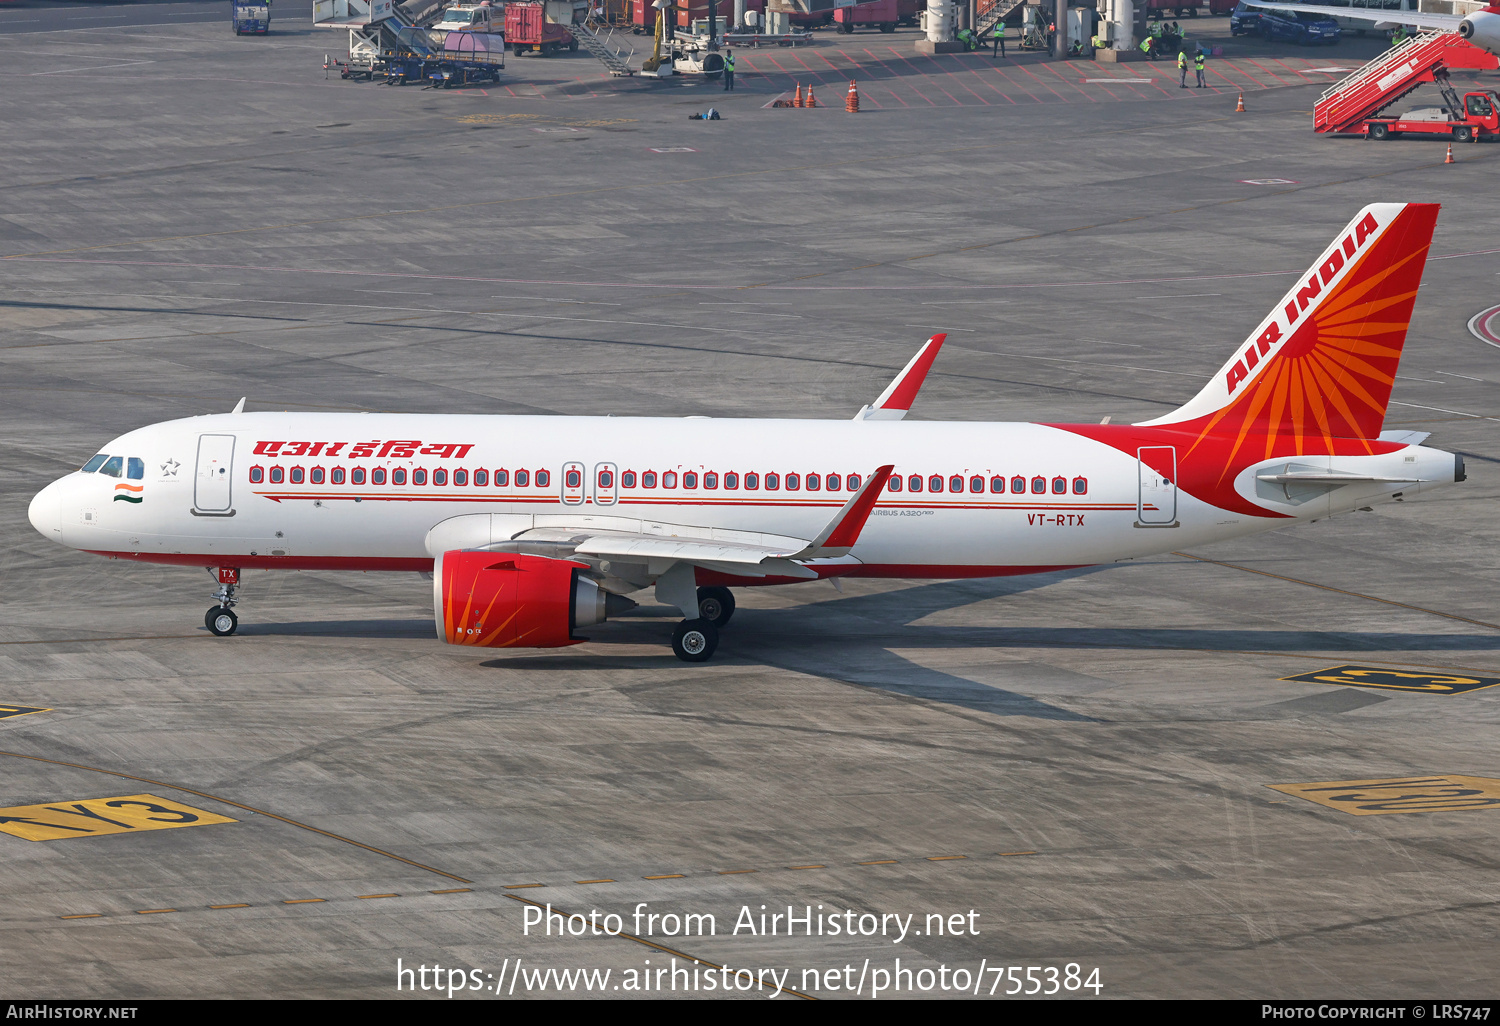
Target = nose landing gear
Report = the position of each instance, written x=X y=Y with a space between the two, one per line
x=220 y=619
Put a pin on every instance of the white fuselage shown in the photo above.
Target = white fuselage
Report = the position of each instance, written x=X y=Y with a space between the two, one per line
x=220 y=491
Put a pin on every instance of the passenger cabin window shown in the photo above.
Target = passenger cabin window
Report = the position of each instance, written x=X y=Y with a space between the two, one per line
x=1039 y=486
x=669 y=479
x=502 y=478
x=317 y=475
x=573 y=479
x=136 y=468
x=627 y=479
x=894 y=484
x=793 y=482
x=419 y=476
x=956 y=483
x=1059 y=486
x=257 y=475
x=298 y=475
x=606 y=479
x=853 y=482
x=689 y=479
x=113 y=467
x=773 y=482
x=377 y=476
x=95 y=463
x=814 y=482
x=338 y=475
x=997 y=485
x=914 y=483
x=357 y=476
x=976 y=484
x=935 y=483
x=648 y=479
x=731 y=480
x=834 y=482
x=1018 y=485
x=481 y=478
x=710 y=479
x=440 y=476
x=460 y=477
x=277 y=475
x=752 y=482
x=398 y=476
x=1080 y=486
x=542 y=478
x=523 y=478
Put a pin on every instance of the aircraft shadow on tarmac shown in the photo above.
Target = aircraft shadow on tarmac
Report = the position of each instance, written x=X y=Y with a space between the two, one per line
x=852 y=638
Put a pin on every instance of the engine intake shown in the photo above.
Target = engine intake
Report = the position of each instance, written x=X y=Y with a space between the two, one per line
x=510 y=600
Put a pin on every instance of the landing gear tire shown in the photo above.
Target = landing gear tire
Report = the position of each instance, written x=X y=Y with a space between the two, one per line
x=221 y=621
x=694 y=641
x=716 y=605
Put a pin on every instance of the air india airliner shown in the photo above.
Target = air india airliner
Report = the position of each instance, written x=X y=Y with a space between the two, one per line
x=534 y=528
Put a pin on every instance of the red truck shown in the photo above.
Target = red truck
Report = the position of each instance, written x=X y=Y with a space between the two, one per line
x=527 y=29
x=884 y=15
x=1477 y=117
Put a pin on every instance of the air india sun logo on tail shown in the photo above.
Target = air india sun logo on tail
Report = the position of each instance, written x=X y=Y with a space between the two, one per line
x=128 y=492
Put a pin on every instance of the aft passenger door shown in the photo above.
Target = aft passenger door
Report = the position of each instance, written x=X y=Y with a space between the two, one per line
x=1156 y=504
x=214 y=480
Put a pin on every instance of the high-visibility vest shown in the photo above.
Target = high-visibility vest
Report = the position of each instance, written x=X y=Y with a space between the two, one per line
x=728 y=62
x=1198 y=61
x=1182 y=60
x=999 y=32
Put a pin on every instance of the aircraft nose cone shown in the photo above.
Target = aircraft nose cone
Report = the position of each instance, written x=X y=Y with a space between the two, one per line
x=45 y=511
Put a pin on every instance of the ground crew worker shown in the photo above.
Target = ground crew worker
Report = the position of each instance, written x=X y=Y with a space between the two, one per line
x=1198 y=61
x=1148 y=46
x=1182 y=67
x=1399 y=36
x=997 y=45
x=728 y=71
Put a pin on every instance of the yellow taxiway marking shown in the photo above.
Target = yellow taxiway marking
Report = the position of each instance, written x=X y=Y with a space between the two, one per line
x=1436 y=793
x=301 y=901
x=85 y=915
x=453 y=890
x=944 y=858
x=593 y=881
x=1431 y=682
x=152 y=911
x=364 y=897
x=807 y=867
x=242 y=904
x=91 y=817
x=879 y=862
x=518 y=887
x=734 y=872
x=665 y=876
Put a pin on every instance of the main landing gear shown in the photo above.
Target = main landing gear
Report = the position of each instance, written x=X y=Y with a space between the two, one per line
x=220 y=619
x=694 y=641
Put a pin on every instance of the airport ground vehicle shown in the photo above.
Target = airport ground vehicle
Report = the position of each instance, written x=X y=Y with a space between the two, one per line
x=881 y=14
x=535 y=527
x=250 y=17
x=1355 y=104
x=466 y=58
x=1467 y=119
x=1303 y=27
x=530 y=27
x=1480 y=28
x=1245 y=20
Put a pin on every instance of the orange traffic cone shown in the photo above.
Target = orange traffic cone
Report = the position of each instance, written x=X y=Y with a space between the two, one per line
x=1450 y=159
x=811 y=100
x=1240 y=107
x=852 y=103
x=797 y=100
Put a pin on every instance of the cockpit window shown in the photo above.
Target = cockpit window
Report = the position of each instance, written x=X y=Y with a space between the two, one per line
x=136 y=468
x=94 y=464
x=114 y=466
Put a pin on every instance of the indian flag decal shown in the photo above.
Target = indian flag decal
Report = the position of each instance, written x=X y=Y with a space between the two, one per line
x=128 y=492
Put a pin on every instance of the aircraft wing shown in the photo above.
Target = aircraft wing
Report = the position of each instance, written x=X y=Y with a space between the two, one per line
x=1417 y=19
x=895 y=402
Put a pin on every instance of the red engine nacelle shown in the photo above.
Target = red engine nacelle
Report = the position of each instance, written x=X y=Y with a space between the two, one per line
x=505 y=600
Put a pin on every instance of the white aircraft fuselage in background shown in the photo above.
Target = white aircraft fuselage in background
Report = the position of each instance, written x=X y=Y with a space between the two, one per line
x=531 y=524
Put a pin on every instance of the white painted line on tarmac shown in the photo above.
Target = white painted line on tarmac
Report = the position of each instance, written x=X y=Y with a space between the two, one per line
x=1190 y=295
x=97 y=67
x=1485 y=326
x=1466 y=377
